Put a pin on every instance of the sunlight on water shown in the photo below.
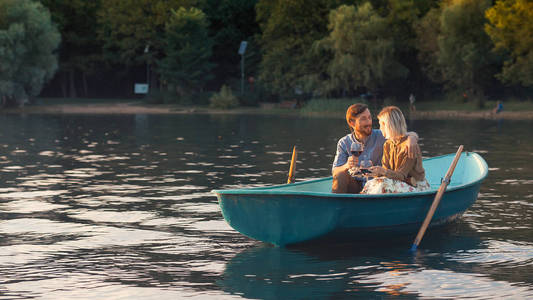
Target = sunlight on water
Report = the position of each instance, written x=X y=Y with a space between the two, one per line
x=120 y=207
x=29 y=206
x=83 y=172
x=31 y=194
x=99 y=216
x=498 y=252
x=210 y=226
x=61 y=235
x=445 y=284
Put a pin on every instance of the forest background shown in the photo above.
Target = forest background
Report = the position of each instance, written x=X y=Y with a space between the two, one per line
x=187 y=50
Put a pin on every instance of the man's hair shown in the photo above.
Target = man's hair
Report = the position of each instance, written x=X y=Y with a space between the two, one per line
x=395 y=125
x=353 y=111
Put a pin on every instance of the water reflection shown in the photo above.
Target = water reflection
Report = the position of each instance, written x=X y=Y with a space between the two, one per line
x=379 y=270
x=120 y=207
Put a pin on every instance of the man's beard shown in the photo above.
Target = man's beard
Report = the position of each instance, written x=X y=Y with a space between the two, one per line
x=365 y=130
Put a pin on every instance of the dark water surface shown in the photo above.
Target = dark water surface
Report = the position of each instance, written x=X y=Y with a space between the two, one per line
x=119 y=207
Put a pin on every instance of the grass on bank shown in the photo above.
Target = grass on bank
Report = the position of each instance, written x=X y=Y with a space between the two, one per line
x=324 y=106
x=339 y=106
x=508 y=105
x=83 y=101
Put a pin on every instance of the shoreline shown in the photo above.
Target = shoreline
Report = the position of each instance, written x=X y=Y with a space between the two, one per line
x=142 y=108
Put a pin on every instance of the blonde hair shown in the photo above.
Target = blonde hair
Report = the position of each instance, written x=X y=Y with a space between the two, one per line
x=394 y=120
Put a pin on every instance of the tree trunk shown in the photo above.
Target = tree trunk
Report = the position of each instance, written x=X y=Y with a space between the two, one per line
x=64 y=85
x=72 y=85
x=85 y=85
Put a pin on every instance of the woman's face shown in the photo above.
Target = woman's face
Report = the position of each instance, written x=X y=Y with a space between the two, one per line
x=382 y=128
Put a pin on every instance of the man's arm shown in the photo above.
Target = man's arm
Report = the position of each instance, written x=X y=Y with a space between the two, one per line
x=351 y=162
x=412 y=141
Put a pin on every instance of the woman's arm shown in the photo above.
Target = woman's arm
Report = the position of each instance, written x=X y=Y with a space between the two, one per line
x=402 y=171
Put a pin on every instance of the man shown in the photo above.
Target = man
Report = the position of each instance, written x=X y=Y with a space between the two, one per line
x=359 y=120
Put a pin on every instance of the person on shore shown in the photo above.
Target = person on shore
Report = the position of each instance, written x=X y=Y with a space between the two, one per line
x=412 y=107
x=371 y=141
x=498 y=108
x=399 y=173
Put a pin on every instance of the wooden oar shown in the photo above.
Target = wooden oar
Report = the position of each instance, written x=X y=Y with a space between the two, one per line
x=293 y=165
x=436 y=201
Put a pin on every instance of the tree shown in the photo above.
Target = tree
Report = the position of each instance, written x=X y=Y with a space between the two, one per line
x=133 y=30
x=511 y=30
x=289 y=29
x=464 y=48
x=427 y=32
x=402 y=16
x=188 y=50
x=230 y=22
x=28 y=41
x=363 y=50
x=462 y=58
x=79 y=51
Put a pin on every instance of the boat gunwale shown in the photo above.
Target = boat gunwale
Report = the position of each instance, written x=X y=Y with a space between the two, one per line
x=274 y=189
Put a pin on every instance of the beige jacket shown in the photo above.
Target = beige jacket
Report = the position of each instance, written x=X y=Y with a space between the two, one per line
x=398 y=166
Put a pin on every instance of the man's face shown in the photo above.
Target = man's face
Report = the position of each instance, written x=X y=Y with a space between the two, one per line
x=363 y=123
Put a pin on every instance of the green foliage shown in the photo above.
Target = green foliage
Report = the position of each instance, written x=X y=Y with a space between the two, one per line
x=511 y=30
x=233 y=21
x=455 y=49
x=363 y=50
x=186 y=65
x=427 y=32
x=79 y=50
x=289 y=29
x=127 y=27
x=28 y=40
x=224 y=99
x=464 y=56
x=401 y=17
x=159 y=97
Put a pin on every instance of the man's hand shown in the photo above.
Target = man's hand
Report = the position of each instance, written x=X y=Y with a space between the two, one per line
x=376 y=171
x=412 y=140
x=352 y=162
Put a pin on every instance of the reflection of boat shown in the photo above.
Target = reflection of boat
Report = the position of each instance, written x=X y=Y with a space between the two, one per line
x=294 y=213
x=342 y=270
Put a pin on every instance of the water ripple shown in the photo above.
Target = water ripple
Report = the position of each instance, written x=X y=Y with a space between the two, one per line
x=445 y=284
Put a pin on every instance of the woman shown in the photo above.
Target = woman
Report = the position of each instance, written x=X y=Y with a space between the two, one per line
x=399 y=173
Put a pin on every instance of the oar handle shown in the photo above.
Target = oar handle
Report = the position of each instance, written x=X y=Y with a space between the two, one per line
x=293 y=165
x=436 y=201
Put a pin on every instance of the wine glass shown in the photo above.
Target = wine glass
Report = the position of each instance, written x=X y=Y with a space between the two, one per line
x=356 y=149
x=364 y=165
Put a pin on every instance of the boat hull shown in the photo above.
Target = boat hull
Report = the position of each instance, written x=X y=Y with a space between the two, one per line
x=284 y=217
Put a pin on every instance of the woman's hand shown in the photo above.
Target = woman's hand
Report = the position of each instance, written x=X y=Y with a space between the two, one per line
x=376 y=171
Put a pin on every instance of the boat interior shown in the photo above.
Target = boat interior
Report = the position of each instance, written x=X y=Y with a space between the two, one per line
x=470 y=168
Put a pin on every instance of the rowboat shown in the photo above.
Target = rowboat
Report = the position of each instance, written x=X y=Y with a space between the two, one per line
x=308 y=211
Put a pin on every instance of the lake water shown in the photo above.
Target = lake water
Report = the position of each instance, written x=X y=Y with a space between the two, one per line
x=119 y=207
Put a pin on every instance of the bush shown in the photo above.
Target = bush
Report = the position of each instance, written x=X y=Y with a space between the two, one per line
x=224 y=99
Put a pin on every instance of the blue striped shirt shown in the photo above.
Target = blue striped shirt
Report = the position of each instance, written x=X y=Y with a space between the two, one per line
x=372 y=149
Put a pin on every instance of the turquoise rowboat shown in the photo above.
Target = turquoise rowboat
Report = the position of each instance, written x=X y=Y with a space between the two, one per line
x=305 y=211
